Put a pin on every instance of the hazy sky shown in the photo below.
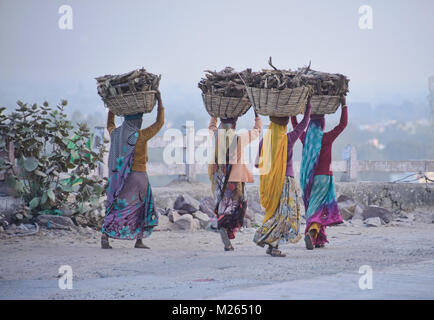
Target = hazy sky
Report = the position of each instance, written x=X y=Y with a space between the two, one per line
x=180 y=39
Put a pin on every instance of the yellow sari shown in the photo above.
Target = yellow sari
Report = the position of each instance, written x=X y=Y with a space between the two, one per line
x=272 y=167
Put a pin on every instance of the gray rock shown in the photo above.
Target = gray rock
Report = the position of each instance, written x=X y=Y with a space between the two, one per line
x=202 y=218
x=182 y=212
x=164 y=223
x=375 y=211
x=207 y=206
x=66 y=211
x=186 y=203
x=373 y=222
x=23 y=227
x=184 y=223
x=55 y=222
x=196 y=225
x=173 y=215
x=347 y=208
x=358 y=212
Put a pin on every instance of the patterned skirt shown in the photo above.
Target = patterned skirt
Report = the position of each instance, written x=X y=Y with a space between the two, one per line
x=232 y=208
x=322 y=207
x=284 y=225
x=132 y=215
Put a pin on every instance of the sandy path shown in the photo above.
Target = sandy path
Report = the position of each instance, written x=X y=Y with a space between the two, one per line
x=194 y=266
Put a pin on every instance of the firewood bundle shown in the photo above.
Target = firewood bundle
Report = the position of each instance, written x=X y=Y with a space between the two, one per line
x=224 y=93
x=134 y=81
x=278 y=93
x=328 y=88
x=274 y=79
x=129 y=93
x=282 y=92
x=225 y=83
x=329 y=84
x=333 y=84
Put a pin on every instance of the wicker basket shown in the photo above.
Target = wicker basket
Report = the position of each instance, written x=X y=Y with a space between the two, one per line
x=225 y=107
x=325 y=104
x=278 y=103
x=131 y=103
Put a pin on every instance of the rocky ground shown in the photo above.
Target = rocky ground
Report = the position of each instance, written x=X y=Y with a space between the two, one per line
x=187 y=261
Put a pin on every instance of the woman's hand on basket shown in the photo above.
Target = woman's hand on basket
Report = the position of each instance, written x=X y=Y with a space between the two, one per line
x=343 y=101
x=158 y=96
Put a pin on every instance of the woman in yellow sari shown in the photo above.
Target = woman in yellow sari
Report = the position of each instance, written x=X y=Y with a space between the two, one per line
x=278 y=190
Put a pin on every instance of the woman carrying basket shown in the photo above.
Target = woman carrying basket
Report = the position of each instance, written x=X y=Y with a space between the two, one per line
x=228 y=175
x=316 y=178
x=278 y=188
x=130 y=212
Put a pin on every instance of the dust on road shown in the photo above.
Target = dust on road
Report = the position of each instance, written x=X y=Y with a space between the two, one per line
x=183 y=265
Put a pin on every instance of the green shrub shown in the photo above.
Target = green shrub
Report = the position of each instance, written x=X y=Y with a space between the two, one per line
x=54 y=160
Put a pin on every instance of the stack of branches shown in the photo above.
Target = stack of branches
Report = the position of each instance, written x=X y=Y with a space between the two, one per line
x=325 y=84
x=322 y=83
x=275 y=78
x=225 y=83
x=130 y=82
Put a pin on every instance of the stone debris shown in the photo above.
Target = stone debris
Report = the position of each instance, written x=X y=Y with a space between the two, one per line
x=202 y=218
x=190 y=212
x=55 y=222
x=163 y=223
x=173 y=216
x=347 y=207
x=356 y=212
x=373 y=222
x=196 y=224
x=185 y=223
x=186 y=204
x=207 y=206
x=376 y=211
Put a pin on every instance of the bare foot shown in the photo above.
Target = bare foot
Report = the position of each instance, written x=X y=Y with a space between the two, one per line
x=105 y=242
x=139 y=244
x=308 y=241
x=277 y=253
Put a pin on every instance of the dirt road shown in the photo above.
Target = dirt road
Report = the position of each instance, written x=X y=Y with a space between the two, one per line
x=194 y=266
